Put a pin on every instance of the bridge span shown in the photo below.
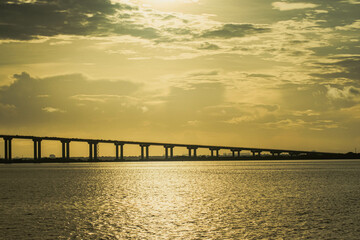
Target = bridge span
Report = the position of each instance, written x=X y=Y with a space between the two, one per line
x=144 y=148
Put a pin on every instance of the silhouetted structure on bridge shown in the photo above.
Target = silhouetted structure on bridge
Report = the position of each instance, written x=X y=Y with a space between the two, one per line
x=144 y=147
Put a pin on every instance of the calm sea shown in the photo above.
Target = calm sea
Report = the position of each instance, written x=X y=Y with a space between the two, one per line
x=181 y=200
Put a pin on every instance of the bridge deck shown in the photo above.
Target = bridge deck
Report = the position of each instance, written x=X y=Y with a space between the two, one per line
x=214 y=147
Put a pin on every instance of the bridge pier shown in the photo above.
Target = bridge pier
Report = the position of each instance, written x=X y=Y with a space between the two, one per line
x=167 y=151
x=93 y=151
x=37 y=148
x=144 y=151
x=65 y=146
x=216 y=151
x=256 y=151
x=8 y=149
x=194 y=151
x=96 y=150
x=119 y=148
x=233 y=152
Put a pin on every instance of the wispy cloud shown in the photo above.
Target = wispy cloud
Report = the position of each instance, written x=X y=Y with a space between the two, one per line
x=52 y=110
x=286 y=6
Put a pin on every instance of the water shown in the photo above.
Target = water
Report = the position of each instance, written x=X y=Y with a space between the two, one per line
x=181 y=200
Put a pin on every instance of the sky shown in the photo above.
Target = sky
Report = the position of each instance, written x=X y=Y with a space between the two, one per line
x=250 y=73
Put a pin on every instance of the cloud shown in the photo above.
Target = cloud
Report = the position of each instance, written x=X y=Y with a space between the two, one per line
x=233 y=30
x=203 y=73
x=340 y=67
x=308 y=112
x=21 y=20
x=355 y=26
x=42 y=19
x=77 y=102
x=52 y=110
x=317 y=125
x=75 y=96
x=353 y=1
x=285 y=6
x=208 y=46
x=349 y=93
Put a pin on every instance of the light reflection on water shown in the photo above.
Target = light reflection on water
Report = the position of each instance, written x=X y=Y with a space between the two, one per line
x=181 y=200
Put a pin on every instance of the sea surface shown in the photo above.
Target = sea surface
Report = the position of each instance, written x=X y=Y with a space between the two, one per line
x=181 y=200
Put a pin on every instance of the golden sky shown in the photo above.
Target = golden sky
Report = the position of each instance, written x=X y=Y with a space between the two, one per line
x=252 y=73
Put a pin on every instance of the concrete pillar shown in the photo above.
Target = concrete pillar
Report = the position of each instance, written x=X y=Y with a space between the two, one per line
x=95 y=150
x=171 y=152
x=116 y=151
x=10 y=149
x=147 y=152
x=217 y=153
x=91 y=151
x=142 y=152
x=238 y=153
x=68 y=150
x=253 y=153
x=166 y=152
x=195 y=155
x=6 y=153
x=39 y=149
x=35 y=149
x=189 y=151
x=7 y=149
x=233 y=153
x=63 y=147
x=121 y=151
x=212 y=152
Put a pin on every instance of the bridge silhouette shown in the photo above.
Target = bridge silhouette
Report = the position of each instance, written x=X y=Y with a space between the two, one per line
x=144 y=148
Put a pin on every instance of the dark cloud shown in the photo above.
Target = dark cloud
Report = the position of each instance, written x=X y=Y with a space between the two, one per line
x=347 y=67
x=203 y=73
x=26 y=21
x=232 y=30
x=208 y=46
x=260 y=75
x=339 y=12
x=328 y=13
x=354 y=91
x=63 y=98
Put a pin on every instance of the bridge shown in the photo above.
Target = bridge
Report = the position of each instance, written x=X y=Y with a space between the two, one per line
x=144 y=148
